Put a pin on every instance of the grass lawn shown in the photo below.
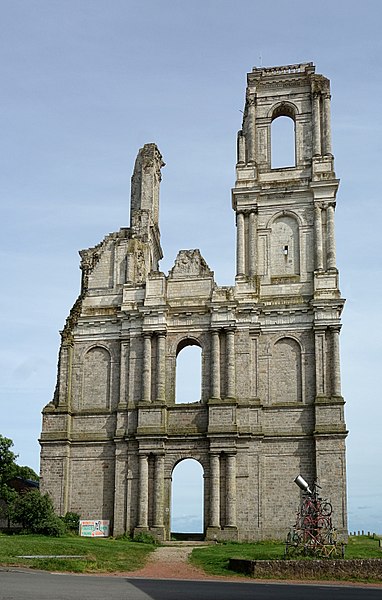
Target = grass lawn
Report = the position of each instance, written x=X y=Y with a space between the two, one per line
x=99 y=555
x=214 y=559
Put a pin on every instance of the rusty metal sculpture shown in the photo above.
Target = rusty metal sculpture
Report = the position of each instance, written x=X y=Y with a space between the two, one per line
x=313 y=533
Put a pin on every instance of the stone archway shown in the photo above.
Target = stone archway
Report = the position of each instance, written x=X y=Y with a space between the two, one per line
x=187 y=499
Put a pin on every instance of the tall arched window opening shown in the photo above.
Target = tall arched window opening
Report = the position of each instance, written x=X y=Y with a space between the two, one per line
x=283 y=146
x=187 y=497
x=188 y=383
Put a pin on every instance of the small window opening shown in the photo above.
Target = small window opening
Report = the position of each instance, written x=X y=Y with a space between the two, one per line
x=283 y=143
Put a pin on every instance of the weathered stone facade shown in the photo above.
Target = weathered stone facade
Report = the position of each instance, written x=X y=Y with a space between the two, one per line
x=271 y=404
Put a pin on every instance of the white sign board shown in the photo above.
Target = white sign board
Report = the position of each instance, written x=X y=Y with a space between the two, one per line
x=94 y=528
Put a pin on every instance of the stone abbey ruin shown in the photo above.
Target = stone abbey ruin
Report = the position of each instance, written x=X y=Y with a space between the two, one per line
x=271 y=404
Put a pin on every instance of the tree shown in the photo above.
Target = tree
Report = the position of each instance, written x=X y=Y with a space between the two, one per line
x=26 y=473
x=35 y=513
x=7 y=471
x=7 y=460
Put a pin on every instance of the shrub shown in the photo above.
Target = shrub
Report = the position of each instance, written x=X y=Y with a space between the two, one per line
x=71 y=521
x=144 y=538
x=35 y=513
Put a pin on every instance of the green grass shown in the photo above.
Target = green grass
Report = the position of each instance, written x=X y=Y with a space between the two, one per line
x=99 y=555
x=363 y=547
x=214 y=559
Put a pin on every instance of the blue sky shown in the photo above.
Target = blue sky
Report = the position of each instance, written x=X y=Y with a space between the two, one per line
x=85 y=83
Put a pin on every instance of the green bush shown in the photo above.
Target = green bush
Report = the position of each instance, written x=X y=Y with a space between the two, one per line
x=35 y=513
x=52 y=526
x=71 y=521
x=144 y=538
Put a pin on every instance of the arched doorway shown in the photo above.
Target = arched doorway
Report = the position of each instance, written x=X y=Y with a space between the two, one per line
x=187 y=500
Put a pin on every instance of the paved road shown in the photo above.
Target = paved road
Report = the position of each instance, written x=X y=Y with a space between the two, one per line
x=34 y=585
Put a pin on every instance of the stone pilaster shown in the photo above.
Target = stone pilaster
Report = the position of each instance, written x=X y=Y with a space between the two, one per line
x=146 y=370
x=124 y=372
x=119 y=522
x=316 y=125
x=331 y=242
x=251 y=144
x=231 y=490
x=320 y=361
x=318 y=237
x=215 y=364
x=240 y=148
x=335 y=363
x=231 y=374
x=327 y=128
x=240 y=244
x=143 y=491
x=252 y=243
x=159 y=491
x=161 y=367
x=215 y=490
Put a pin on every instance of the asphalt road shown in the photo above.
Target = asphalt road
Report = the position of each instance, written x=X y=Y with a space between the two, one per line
x=36 y=585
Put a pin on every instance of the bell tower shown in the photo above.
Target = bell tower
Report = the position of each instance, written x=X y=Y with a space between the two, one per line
x=286 y=256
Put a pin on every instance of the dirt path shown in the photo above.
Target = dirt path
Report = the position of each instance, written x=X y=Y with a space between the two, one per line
x=171 y=562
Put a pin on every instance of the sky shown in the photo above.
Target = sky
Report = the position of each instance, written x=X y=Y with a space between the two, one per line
x=85 y=83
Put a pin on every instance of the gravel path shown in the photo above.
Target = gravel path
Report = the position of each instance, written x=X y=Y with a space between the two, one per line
x=171 y=562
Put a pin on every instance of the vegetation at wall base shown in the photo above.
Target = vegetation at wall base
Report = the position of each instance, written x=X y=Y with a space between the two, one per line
x=214 y=559
x=106 y=555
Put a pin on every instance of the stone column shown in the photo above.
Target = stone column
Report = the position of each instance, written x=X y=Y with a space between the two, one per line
x=161 y=367
x=240 y=148
x=320 y=356
x=327 y=129
x=120 y=488
x=215 y=490
x=62 y=394
x=159 y=491
x=124 y=372
x=331 y=241
x=146 y=368
x=252 y=243
x=143 y=491
x=230 y=339
x=215 y=364
x=251 y=102
x=336 y=369
x=240 y=244
x=318 y=234
x=231 y=490
x=316 y=125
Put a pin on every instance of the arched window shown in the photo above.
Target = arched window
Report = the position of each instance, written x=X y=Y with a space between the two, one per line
x=286 y=381
x=283 y=146
x=285 y=246
x=96 y=378
x=187 y=497
x=188 y=372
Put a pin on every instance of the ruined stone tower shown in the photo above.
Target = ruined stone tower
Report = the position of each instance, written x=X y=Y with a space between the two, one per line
x=271 y=404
